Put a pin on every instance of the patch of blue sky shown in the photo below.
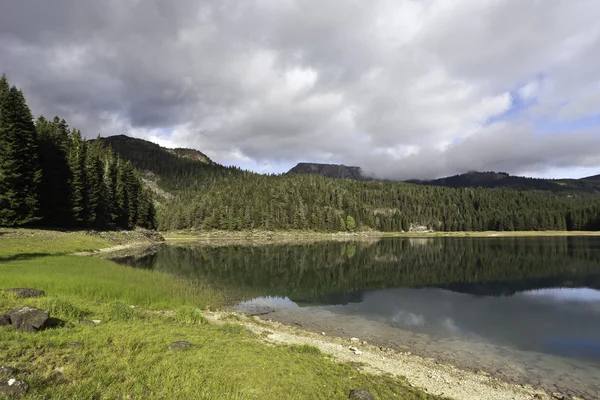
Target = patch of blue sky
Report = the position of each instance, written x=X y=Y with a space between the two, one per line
x=518 y=105
x=164 y=132
x=550 y=125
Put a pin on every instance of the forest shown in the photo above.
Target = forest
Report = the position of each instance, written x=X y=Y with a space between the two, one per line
x=245 y=201
x=51 y=176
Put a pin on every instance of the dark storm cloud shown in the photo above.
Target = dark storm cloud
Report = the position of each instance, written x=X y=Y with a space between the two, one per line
x=403 y=88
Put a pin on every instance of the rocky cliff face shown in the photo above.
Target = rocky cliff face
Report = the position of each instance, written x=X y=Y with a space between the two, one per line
x=328 y=170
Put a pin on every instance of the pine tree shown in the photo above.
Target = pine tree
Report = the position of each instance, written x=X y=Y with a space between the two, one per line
x=55 y=191
x=19 y=168
x=76 y=160
x=95 y=191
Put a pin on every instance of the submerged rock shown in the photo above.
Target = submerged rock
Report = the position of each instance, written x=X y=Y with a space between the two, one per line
x=13 y=388
x=29 y=319
x=181 y=345
x=361 y=394
x=26 y=293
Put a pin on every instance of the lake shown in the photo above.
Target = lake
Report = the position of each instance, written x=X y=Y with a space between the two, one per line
x=526 y=309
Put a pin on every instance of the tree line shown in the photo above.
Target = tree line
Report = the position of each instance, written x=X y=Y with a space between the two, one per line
x=50 y=175
x=311 y=202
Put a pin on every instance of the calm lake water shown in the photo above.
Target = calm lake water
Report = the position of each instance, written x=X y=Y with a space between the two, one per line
x=526 y=303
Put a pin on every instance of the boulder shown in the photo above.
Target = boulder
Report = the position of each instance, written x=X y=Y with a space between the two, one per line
x=25 y=293
x=12 y=388
x=4 y=320
x=182 y=345
x=29 y=319
x=361 y=394
x=7 y=371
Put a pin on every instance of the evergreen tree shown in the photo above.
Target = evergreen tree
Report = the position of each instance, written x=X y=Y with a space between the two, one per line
x=55 y=191
x=77 y=182
x=19 y=168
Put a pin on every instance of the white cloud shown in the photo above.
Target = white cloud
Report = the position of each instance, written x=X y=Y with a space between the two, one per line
x=404 y=88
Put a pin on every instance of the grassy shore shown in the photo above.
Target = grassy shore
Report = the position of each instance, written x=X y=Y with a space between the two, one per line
x=126 y=354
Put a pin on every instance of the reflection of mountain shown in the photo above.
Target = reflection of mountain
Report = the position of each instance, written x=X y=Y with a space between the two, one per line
x=309 y=273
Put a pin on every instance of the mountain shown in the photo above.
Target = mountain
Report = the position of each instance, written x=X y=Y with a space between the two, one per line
x=328 y=170
x=168 y=171
x=138 y=151
x=592 y=178
x=471 y=179
x=196 y=192
x=504 y=180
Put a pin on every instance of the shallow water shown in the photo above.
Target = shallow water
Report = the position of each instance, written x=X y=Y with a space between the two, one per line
x=527 y=309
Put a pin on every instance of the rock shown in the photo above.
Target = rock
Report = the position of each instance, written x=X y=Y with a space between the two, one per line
x=26 y=293
x=354 y=340
x=558 y=396
x=29 y=319
x=96 y=321
x=181 y=345
x=7 y=371
x=252 y=310
x=4 y=320
x=76 y=345
x=355 y=351
x=361 y=394
x=54 y=323
x=13 y=388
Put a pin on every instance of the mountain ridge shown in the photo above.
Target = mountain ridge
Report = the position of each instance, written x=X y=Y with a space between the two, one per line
x=162 y=161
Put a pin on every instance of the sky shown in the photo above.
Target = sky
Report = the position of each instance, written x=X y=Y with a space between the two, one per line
x=403 y=88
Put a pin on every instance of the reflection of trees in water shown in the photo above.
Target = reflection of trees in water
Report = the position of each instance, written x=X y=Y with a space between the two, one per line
x=486 y=266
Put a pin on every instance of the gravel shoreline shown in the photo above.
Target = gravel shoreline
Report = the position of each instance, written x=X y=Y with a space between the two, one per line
x=432 y=376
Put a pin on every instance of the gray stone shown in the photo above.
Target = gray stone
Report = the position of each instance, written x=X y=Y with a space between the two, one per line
x=29 y=319
x=361 y=394
x=13 y=388
x=181 y=345
x=252 y=310
x=4 y=320
x=26 y=293
x=7 y=371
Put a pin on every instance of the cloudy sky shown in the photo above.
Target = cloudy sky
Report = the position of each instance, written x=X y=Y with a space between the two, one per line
x=403 y=88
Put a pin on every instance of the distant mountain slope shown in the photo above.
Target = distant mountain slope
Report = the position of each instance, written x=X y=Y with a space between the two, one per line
x=168 y=170
x=592 y=178
x=328 y=170
x=504 y=180
x=468 y=180
x=139 y=150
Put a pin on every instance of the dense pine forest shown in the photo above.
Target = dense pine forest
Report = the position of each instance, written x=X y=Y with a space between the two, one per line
x=198 y=193
x=248 y=201
x=51 y=176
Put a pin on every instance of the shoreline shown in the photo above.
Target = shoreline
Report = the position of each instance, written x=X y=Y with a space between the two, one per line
x=517 y=368
x=282 y=236
x=432 y=376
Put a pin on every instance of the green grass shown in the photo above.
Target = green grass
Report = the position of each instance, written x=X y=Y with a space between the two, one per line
x=102 y=280
x=127 y=356
x=28 y=243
